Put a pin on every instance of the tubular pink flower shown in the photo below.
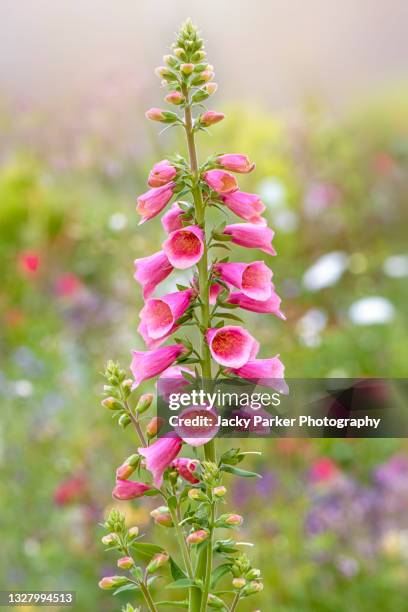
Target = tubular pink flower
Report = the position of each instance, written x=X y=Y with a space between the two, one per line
x=171 y=220
x=269 y=306
x=127 y=489
x=220 y=181
x=245 y=205
x=160 y=455
x=148 y=364
x=152 y=202
x=197 y=435
x=161 y=173
x=231 y=346
x=254 y=279
x=186 y=468
x=185 y=247
x=251 y=236
x=267 y=373
x=215 y=290
x=160 y=314
x=236 y=162
x=211 y=117
x=151 y=270
x=173 y=381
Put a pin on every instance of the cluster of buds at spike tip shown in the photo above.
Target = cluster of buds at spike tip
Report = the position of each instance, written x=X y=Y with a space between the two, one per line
x=211 y=473
x=162 y=516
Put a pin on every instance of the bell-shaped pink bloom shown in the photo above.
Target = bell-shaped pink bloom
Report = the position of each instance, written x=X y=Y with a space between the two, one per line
x=150 y=342
x=128 y=489
x=161 y=173
x=197 y=435
x=254 y=279
x=231 y=346
x=152 y=202
x=211 y=117
x=186 y=468
x=220 y=181
x=267 y=373
x=215 y=290
x=160 y=314
x=248 y=206
x=184 y=247
x=236 y=162
x=147 y=364
x=269 y=306
x=251 y=236
x=160 y=455
x=151 y=270
x=171 y=220
x=172 y=380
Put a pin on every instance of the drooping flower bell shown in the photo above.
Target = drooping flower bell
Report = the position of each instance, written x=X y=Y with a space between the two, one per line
x=236 y=162
x=267 y=373
x=152 y=270
x=185 y=247
x=220 y=181
x=160 y=314
x=172 y=219
x=152 y=202
x=148 y=364
x=269 y=306
x=253 y=279
x=231 y=346
x=160 y=455
x=128 y=489
x=248 y=206
x=250 y=235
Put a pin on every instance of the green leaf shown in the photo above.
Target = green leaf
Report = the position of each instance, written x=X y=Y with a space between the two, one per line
x=176 y=570
x=181 y=287
x=184 y=583
x=222 y=237
x=146 y=550
x=126 y=587
x=188 y=376
x=228 y=315
x=238 y=472
x=182 y=603
x=219 y=572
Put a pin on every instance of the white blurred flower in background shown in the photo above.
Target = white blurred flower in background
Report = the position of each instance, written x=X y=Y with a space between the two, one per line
x=117 y=222
x=326 y=271
x=372 y=310
x=310 y=326
x=396 y=266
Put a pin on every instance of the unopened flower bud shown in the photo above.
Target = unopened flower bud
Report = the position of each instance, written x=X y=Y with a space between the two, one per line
x=197 y=495
x=203 y=77
x=157 y=561
x=174 y=97
x=124 y=420
x=162 y=71
x=180 y=53
x=108 y=539
x=127 y=384
x=111 y=403
x=113 y=582
x=230 y=520
x=158 y=114
x=197 y=537
x=154 y=426
x=253 y=574
x=134 y=531
x=219 y=491
x=215 y=602
x=125 y=563
x=162 y=516
x=198 y=56
x=187 y=68
x=128 y=467
x=144 y=403
x=211 y=117
x=170 y=60
x=210 y=88
x=238 y=583
x=252 y=587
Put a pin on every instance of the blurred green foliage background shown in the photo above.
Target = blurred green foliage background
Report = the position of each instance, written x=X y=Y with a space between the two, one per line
x=329 y=518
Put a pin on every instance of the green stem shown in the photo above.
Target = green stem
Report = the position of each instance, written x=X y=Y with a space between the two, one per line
x=235 y=602
x=208 y=565
x=185 y=553
x=148 y=598
x=198 y=601
x=136 y=424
